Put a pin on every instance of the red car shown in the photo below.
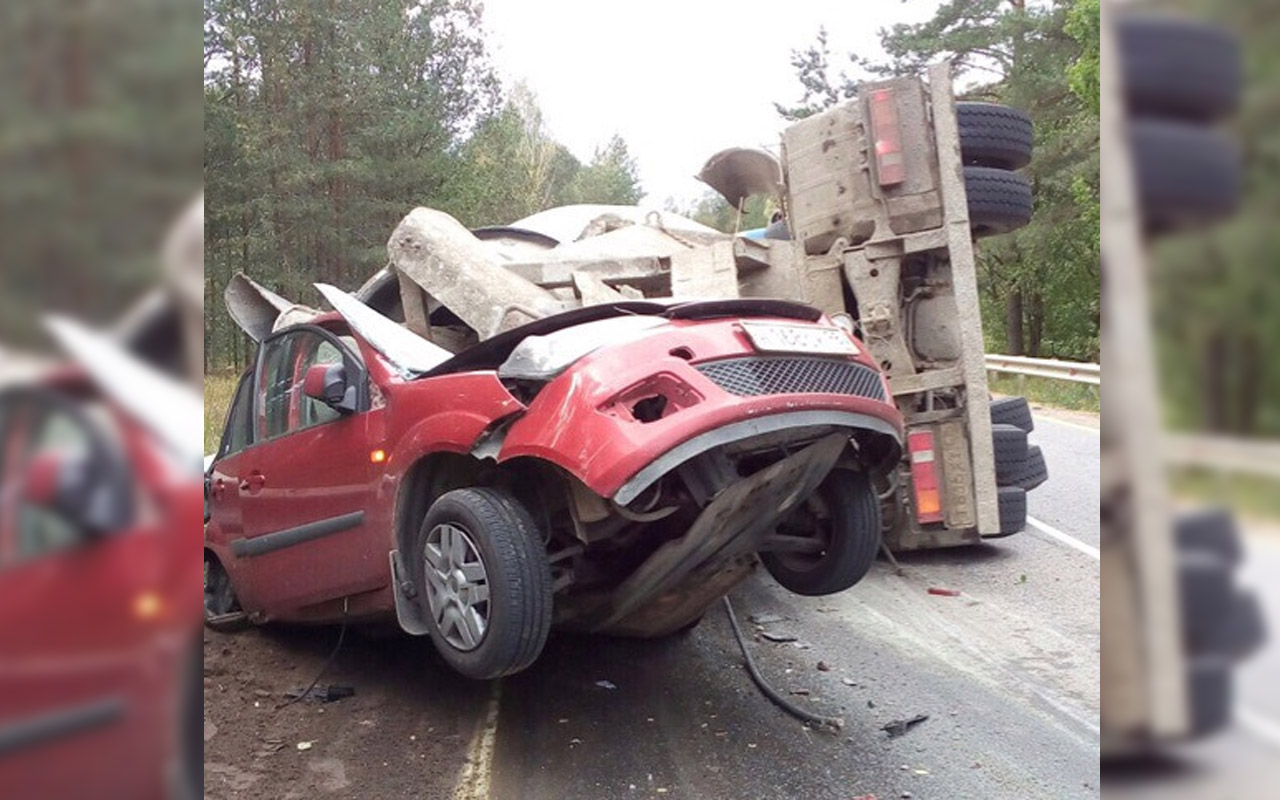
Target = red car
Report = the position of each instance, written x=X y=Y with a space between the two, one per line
x=100 y=647
x=615 y=468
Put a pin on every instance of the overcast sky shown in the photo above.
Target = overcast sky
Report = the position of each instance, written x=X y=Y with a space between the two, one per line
x=678 y=79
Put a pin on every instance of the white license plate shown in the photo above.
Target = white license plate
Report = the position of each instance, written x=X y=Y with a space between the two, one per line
x=770 y=337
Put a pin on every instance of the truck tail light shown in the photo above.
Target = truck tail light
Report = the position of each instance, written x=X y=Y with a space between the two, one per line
x=887 y=135
x=924 y=477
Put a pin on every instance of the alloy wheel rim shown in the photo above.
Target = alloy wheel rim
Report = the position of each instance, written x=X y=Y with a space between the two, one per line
x=457 y=586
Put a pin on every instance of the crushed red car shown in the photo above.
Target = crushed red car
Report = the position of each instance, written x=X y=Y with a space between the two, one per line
x=616 y=468
x=101 y=664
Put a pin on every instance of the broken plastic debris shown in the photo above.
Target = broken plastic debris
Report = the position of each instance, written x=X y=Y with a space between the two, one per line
x=324 y=694
x=778 y=637
x=606 y=685
x=943 y=592
x=765 y=619
x=304 y=745
x=898 y=727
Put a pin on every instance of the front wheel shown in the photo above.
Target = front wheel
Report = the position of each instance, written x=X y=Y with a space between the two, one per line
x=828 y=543
x=484 y=582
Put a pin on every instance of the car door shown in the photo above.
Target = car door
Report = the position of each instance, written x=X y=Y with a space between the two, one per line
x=305 y=483
x=76 y=682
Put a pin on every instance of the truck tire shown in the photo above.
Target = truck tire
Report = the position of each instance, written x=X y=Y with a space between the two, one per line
x=1012 y=411
x=850 y=527
x=1240 y=633
x=1186 y=175
x=994 y=135
x=999 y=200
x=1207 y=593
x=1213 y=530
x=1179 y=68
x=1013 y=510
x=1010 y=445
x=484 y=583
x=1210 y=690
x=1031 y=472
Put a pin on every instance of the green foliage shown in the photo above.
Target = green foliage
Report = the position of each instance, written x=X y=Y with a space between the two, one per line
x=1215 y=293
x=1084 y=25
x=327 y=121
x=101 y=150
x=714 y=211
x=1040 y=285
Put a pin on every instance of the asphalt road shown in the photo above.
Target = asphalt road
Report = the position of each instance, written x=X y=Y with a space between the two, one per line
x=1244 y=762
x=1007 y=672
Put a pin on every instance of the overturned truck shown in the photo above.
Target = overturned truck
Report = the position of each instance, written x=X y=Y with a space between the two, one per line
x=881 y=199
x=666 y=405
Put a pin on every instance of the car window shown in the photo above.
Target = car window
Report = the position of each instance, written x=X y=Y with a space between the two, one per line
x=36 y=439
x=239 y=431
x=282 y=405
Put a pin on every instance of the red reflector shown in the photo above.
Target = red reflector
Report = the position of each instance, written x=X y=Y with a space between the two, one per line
x=924 y=476
x=890 y=167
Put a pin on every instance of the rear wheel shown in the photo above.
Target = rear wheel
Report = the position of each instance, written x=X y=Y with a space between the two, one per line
x=1010 y=445
x=1179 y=67
x=222 y=610
x=1012 y=411
x=993 y=135
x=1186 y=176
x=999 y=200
x=484 y=582
x=837 y=533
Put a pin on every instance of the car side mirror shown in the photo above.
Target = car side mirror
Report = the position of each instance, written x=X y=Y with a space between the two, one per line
x=328 y=384
x=84 y=492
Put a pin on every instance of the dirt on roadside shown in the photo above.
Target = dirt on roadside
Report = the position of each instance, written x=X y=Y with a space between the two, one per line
x=405 y=733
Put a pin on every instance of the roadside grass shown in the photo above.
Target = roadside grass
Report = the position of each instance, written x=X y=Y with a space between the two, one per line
x=1248 y=495
x=218 y=388
x=1049 y=392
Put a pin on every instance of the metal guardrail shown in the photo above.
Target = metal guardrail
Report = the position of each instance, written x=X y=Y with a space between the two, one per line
x=1075 y=371
x=1226 y=453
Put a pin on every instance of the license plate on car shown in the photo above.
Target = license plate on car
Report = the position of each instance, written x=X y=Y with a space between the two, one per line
x=772 y=337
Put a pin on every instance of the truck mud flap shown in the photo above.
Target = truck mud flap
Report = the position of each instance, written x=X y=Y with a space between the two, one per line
x=731 y=526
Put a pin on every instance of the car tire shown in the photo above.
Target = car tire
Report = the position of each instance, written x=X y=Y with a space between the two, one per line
x=484 y=582
x=1180 y=68
x=1012 y=502
x=999 y=200
x=993 y=135
x=222 y=612
x=852 y=531
x=1010 y=445
x=1012 y=411
x=1186 y=176
x=1031 y=472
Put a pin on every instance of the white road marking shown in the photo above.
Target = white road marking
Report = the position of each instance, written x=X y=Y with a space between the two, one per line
x=474 y=782
x=1069 y=541
x=1075 y=425
x=1260 y=726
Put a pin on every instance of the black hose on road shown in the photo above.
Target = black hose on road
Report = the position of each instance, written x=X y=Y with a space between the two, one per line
x=832 y=724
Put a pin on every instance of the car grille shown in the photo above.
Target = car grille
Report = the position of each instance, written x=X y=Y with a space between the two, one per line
x=755 y=376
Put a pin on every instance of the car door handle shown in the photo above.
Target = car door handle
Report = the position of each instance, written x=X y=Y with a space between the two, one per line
x=219 y=488
x=253 y=483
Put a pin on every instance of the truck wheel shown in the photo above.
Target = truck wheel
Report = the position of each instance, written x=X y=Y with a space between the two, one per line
x=999 y=200
x=994 y=136
x=1012 y=411
x=1211 y=690
x=844 y=513
x=1186 y=175
x=1213 y=530
x=484 y=583
x=1010 y=444
x=1013 y=510
x=1207 y=590
x=1179 y=68
x=1031 y=472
